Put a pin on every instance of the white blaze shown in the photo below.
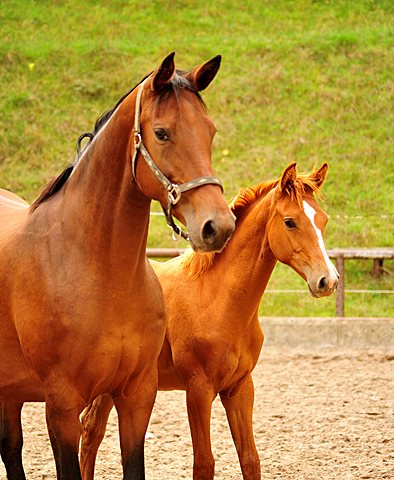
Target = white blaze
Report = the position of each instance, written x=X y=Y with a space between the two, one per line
x=310 y=212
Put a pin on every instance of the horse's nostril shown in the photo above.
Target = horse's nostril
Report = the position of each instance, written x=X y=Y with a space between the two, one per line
x=209 y=231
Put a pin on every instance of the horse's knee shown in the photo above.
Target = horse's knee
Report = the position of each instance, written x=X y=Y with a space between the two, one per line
x=11 y=443
x=10 y=447
x=204 y=469
x=11 y=439
x=250 y=467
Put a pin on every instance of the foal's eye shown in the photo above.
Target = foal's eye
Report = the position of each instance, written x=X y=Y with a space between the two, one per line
x=290 y=223
x=162 y=135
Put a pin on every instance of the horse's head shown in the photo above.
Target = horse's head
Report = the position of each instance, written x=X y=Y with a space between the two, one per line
x=177 y=136
x=296 y=230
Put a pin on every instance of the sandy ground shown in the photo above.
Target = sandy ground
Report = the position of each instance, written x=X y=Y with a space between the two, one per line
x=319 y=414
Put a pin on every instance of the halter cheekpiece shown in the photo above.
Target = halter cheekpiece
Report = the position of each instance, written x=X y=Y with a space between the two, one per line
x=174 y=191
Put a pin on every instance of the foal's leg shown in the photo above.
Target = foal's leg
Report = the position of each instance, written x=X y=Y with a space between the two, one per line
x=11 y=440
x=134 y=412
x=239 y=410
x=63 y=406
x=93 y=421
x=199 y=398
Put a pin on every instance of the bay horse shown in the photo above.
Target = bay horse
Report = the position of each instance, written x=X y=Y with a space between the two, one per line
x=82 y=312
x=213 y=337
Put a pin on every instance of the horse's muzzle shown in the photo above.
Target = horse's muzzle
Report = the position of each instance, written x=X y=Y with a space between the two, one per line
x=213 y=235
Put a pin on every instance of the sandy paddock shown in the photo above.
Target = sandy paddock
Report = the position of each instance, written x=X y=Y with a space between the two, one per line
x=319 y=414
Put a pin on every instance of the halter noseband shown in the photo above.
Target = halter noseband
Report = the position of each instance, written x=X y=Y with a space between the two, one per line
x=174 y=191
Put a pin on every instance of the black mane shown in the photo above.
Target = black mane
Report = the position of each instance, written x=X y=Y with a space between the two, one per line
x=175 y=86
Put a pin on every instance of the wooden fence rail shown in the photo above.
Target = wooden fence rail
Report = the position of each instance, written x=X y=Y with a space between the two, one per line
x=339 y=254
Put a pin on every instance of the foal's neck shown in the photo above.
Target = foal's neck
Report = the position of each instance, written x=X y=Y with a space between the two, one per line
x=248 y=261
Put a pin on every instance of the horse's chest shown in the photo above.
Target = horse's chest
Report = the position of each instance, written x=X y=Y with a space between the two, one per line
x=237 y=362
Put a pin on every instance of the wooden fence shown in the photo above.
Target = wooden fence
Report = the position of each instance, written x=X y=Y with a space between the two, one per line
x=342 y=254
x=378 y=255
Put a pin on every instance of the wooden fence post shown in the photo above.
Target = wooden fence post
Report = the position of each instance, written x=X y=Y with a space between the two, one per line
x=340 y=293
x=377 y=267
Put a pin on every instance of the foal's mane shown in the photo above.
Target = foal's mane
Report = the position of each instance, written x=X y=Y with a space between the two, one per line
x=198 y=263
x=174 y=87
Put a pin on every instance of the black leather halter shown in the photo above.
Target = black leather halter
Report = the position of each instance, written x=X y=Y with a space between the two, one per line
x=174 y=191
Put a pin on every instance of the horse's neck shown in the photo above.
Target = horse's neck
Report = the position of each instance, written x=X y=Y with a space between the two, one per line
x=247 y=262
x=103 y=204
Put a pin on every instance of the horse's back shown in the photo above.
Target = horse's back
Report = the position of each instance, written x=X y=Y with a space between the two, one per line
x=170 y=273
x=9 y=199
x=12 y=210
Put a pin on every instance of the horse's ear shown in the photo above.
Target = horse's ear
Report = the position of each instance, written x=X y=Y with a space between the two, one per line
x=163 y=74
x=203 y=75
x=289 y=176
x=320 y=175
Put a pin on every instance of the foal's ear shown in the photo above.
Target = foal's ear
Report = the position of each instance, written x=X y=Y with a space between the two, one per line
x=163 y=74
x=203 y=75
x=289 y=176
x=320 y=175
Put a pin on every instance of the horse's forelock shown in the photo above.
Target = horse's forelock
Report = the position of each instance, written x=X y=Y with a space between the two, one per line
x=176 y=86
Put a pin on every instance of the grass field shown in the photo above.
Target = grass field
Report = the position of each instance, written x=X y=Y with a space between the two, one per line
x=306 y=81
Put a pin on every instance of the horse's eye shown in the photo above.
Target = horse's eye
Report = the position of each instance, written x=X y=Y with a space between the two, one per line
x=162 y=135
x=290 y=223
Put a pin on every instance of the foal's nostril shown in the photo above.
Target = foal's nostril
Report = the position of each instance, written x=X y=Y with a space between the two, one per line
x=322 y=283
x=209 y=231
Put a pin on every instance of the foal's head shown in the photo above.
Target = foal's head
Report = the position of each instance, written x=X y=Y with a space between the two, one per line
x=296 y=226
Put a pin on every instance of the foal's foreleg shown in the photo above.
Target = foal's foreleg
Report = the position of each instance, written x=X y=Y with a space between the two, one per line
x=93 y=421
x=199 y=398
x=11 y=440
x=239 y=411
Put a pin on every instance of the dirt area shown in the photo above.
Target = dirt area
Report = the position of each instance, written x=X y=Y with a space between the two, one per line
x=319 y=414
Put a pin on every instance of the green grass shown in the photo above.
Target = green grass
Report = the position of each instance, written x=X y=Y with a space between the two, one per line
x=301 y=80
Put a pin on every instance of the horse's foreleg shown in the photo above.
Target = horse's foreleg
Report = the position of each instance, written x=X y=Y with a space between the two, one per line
x=93 y=422
x=239 y=411
x=11 y=440
x=134 y=412
x=63 y=407
x=199 y=398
